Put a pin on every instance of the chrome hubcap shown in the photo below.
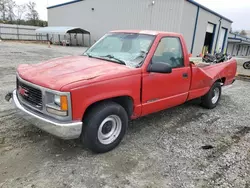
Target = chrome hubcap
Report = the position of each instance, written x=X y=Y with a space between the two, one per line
x=247 y=65
x=216 y=94
x=109 y=129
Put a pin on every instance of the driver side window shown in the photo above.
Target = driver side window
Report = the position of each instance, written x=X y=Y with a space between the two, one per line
x=169 y=50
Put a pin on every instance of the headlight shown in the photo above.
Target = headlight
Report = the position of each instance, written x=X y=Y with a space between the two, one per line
x=58 y=106
x=57 y=100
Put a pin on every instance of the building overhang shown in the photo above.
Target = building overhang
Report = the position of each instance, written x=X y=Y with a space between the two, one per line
x=61 y=30
x=209 y=10
x=238 y=41
x=63 y=4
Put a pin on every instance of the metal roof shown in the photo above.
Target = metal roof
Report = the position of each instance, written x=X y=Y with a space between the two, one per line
x=63 y=4
x=234 y=35
x=209 y=10
x=190 y=1
x=238 y=40
x=61 y=30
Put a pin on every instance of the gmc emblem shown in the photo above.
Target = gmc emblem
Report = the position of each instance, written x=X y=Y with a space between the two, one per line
x=22 y=91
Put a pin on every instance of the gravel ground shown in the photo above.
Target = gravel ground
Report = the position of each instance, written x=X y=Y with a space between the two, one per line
x=161 y=150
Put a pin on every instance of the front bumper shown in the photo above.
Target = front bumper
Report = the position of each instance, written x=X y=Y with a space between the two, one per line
x=62 y=130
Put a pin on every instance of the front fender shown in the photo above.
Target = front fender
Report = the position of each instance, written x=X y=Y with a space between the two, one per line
x=82 y=98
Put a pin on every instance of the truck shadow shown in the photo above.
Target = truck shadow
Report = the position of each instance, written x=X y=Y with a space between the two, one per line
x=169 y=120
x=67 y=149
x=179 y=115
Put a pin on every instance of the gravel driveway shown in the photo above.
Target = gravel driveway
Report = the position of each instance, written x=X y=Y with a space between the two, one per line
x=186 y=146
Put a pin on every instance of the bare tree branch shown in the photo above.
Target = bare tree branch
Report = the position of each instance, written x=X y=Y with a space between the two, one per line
x=20 y=10
x=10 y=10
x=3 y=9
x=32 y=14
x=25 y=14
x=243 y=33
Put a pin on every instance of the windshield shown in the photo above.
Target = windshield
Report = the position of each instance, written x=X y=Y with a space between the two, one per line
x=124 y=48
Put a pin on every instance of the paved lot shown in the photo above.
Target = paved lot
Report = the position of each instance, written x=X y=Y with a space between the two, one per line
x=160 y=150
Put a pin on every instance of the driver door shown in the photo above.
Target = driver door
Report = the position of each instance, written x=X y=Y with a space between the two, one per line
x=165 y=90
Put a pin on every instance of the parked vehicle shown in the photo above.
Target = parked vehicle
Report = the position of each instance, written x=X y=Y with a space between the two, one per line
x=246 y=65
x=123 y=76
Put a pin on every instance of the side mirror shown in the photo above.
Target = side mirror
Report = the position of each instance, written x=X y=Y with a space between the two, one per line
x=160 y=67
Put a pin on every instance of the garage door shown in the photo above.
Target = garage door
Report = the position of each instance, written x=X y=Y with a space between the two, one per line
x=210 y=28
x=221 y=40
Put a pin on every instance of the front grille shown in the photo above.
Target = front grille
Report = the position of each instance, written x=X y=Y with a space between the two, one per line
x=29 y=94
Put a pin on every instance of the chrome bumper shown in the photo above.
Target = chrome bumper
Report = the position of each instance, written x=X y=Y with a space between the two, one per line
x=62 y=130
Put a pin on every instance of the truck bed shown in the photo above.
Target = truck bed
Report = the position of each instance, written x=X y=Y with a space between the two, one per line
x=205 y=74
x=224 y=70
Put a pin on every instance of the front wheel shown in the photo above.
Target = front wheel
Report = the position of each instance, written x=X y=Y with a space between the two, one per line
x=104 y=127
x=211 y=99
x=246 y=65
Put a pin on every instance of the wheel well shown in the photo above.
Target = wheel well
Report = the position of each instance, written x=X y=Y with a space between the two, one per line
x=125 y=101
x=222 y=80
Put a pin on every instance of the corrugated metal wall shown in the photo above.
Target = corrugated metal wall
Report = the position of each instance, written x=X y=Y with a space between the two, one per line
x=233 y=47
x=204 y=17
x=188 y=23
x=166 y=15
x=19 y=32
x=118 y=14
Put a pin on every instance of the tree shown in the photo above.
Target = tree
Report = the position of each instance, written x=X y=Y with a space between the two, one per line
x=20 y=10
x=3 y=9
x=236 y=32
x=32 y=14
x=243 y=33
x=10 y=10
x=7 y=10
x=24 y=14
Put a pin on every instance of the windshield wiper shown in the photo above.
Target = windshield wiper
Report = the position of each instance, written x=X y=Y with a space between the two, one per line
x=108 y=56
x=113 y=57
x=88 y=54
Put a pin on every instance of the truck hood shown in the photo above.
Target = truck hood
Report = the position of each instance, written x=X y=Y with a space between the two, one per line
x=56 y=73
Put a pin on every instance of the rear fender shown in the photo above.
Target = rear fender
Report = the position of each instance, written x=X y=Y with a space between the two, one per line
x=204 y=77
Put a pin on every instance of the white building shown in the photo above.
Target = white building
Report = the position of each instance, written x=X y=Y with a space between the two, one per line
x=238 y=45
x=203 y=29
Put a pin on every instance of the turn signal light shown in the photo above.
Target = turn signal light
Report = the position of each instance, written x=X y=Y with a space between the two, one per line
x=64 y=103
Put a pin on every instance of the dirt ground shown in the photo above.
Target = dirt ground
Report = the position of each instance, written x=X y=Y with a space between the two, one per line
x=165 y=149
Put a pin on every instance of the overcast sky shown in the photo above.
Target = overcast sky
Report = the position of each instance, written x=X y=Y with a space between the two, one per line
x=236 y=10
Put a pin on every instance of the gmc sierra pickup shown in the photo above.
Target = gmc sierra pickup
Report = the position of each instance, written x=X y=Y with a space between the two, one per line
x=123 y=76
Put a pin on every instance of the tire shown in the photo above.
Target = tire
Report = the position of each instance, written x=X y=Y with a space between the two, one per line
x=212 y=98
x=106 y=119
x=246 y=65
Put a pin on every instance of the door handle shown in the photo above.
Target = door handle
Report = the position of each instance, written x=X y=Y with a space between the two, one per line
x=185 y=75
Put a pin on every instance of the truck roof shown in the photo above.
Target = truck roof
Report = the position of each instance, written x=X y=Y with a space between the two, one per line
x=147 y=32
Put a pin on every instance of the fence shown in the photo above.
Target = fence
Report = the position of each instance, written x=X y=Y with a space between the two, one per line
x=20 y=32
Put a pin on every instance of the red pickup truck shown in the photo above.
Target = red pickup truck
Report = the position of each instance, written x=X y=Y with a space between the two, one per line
x=123 y=76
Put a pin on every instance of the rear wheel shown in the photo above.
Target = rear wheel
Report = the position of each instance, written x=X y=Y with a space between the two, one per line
x=246 y=65
x=211 y=99
x=104 y=127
